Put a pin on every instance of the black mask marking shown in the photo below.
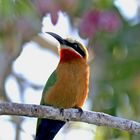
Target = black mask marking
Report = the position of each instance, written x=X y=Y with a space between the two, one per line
x=76 y=47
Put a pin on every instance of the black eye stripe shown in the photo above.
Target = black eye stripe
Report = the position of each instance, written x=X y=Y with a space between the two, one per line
x=76 y=47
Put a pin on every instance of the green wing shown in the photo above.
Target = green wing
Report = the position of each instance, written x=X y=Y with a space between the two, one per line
x=51 y=81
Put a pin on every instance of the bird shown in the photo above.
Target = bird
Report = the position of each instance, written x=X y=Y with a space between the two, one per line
x=68 y=85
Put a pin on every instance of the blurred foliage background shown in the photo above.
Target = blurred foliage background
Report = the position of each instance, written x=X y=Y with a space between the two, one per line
x=113 y=44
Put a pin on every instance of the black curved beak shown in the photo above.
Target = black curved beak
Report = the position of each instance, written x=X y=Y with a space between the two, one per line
x=57 y=37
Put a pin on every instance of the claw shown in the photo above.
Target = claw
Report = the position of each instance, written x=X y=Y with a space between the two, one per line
x=80 y=110
x=62 y=111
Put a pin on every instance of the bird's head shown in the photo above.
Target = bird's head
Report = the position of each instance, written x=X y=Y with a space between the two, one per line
x=70 y=48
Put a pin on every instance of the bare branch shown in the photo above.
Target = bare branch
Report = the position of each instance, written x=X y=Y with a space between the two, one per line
x=97 y=118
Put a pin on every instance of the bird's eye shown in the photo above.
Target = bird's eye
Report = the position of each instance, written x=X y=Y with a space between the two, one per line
x=76 y=45
x=77 y=48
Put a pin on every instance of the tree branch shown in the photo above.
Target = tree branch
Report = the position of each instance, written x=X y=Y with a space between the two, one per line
x=97 y=118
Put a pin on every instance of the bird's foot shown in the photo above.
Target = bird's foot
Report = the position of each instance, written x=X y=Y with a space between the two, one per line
x=80 y=110
x=62 y=111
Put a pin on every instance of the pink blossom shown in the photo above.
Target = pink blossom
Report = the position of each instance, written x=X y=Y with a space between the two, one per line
x=48 y=6
x=88 y=25
x=109 y=21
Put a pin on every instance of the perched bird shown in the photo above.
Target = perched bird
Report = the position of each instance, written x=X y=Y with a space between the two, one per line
x=67 y=87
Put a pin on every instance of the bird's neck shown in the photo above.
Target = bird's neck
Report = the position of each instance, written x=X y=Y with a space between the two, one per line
x=67 y=55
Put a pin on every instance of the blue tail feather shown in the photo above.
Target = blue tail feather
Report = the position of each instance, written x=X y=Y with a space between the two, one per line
x=47 y=129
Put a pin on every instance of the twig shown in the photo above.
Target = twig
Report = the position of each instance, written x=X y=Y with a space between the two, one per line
x=97 y=118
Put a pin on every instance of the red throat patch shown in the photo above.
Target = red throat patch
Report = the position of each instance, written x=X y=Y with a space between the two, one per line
x=67 y=55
